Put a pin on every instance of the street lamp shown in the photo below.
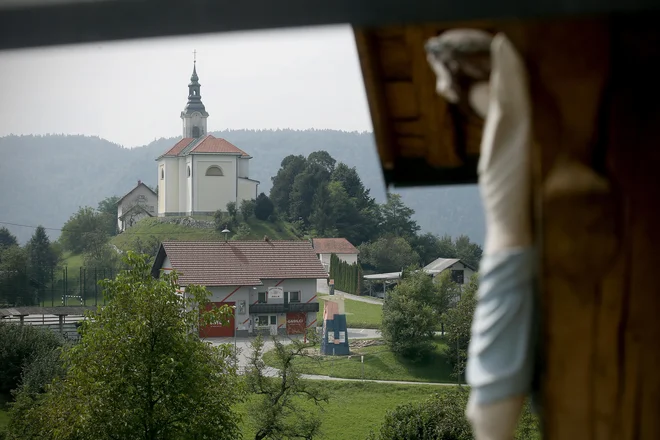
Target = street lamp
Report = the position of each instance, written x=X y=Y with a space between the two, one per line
x=226 y=232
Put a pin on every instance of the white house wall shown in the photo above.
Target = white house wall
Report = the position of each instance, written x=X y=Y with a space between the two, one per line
x=183 y=184
x=348 y=258
x=250 y=295
x=150 y=204
x=214 y=192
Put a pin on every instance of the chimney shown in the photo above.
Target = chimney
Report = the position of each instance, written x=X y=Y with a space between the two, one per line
x=139 y=182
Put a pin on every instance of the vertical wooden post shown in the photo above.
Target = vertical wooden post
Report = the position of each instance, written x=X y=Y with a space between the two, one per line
x=597 y=178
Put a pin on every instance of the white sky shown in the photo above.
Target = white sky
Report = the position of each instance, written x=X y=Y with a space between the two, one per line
x=133 y=92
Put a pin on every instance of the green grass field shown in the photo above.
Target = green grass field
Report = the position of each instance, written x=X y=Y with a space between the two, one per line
x=167 y=231
x=4 y=417
x=354 y=409
x=358 y=314
x=379 y=364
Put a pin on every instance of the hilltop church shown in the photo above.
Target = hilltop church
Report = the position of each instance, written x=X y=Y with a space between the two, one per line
x=200 y=174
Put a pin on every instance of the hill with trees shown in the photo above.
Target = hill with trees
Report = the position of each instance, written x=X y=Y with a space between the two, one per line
x=52 y=176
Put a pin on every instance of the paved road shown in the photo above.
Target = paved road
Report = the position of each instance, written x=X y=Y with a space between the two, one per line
x=243 y=349
x=322 y=287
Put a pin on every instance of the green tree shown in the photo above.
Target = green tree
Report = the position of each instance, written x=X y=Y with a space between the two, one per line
x=263 y=207
x=467 y=251
x=243 y=233
x=247 y=209
x=388 y=254
x=7 y=239
x=290 y=167
x=440 y=417
x=274 y=412
x=232 y=210
x=41 y=260
x=15 y=286
x=397 y=218
x=409 y=319
x=458 y=323
x=107 y=209
x=146 y=246
x=84 y=229
x=19 y=345
x=223 y=220
x=140 y=370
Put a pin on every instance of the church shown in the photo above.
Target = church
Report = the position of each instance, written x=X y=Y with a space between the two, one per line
x=201 y=174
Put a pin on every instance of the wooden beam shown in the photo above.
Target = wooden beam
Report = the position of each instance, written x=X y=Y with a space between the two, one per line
x=440 y=139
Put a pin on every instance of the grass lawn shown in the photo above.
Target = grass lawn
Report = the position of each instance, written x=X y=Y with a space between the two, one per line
x=4 y=417
x=358 y=314
x=355 y=409
x=162 y=231
x=379 y=364
x=72 y=260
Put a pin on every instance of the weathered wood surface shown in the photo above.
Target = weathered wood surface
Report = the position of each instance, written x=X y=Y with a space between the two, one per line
x=597 y=189
x=597 y=157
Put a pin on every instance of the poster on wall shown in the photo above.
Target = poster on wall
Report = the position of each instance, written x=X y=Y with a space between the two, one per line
x=275 y=293
x=342 y=337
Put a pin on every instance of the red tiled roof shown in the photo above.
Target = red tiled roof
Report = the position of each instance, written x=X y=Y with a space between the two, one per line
x=178 y=147
x=333 y=246
x=212 y=144
x=241 y=263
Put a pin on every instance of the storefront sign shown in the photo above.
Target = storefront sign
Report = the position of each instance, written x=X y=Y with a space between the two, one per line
x=296 y=323
x=275 y=293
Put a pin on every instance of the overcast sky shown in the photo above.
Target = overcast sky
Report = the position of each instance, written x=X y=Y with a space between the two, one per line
x=133 y=92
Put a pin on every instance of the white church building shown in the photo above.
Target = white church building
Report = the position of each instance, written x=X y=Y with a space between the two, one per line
x=200 y=174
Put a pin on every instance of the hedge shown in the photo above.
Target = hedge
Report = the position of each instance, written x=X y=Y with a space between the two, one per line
x=348 y=277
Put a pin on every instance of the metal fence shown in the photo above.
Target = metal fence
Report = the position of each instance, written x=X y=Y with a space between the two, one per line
x=54 y=286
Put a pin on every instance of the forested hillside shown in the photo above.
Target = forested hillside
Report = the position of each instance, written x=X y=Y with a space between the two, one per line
x=49 y=177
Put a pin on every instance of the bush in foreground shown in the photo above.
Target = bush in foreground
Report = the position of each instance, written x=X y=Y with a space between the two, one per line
x=140 y=370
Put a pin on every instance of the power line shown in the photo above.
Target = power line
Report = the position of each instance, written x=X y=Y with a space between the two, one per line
x=123 y=233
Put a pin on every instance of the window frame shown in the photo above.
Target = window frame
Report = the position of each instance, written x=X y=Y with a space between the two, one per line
x=298 y=293
x=265 y=295
x=216 y=167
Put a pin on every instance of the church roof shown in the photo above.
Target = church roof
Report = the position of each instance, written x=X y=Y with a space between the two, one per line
x=207 y=144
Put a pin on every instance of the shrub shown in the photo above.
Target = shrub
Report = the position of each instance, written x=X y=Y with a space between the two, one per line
x=19 y=345
x=441 y=417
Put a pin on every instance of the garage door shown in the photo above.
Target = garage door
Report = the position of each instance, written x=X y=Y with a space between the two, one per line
x=219 y=330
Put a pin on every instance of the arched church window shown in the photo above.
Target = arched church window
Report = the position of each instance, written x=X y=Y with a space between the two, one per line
x=162 y=174
x=195 y=132
x=188 y=170
x=214 y=170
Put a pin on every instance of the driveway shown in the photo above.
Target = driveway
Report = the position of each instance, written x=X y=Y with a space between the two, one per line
x=322 y=287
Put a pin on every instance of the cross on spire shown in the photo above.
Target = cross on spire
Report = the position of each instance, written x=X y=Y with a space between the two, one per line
x=195 y=56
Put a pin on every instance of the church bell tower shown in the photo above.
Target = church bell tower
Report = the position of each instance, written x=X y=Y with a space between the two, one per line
x=194 y=114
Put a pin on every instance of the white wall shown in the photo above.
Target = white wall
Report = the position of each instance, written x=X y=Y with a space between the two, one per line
x=214 y=192
x=162 y=191
x=189 y=183
x=247 y=190
x=171 y=184
x=151 y=204
x=244 y=167
x=348 y=258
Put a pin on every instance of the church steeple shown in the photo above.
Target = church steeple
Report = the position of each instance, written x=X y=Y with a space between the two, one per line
x=194 y=114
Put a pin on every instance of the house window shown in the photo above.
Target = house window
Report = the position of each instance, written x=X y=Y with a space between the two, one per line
x=262 y=298
x=214 y=170
x=294 y=297
x=457 y=276
x=273 y=320
x=262 y=321
x=151 y=209
x=188 y=170
x=162 y=174
x=141 y=198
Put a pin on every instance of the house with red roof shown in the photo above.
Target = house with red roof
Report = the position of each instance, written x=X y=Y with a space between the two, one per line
x=201 y=174
x=271 y=284
x=325 y=247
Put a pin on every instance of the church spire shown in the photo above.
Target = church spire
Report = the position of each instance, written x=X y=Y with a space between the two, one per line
x=194 y=114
